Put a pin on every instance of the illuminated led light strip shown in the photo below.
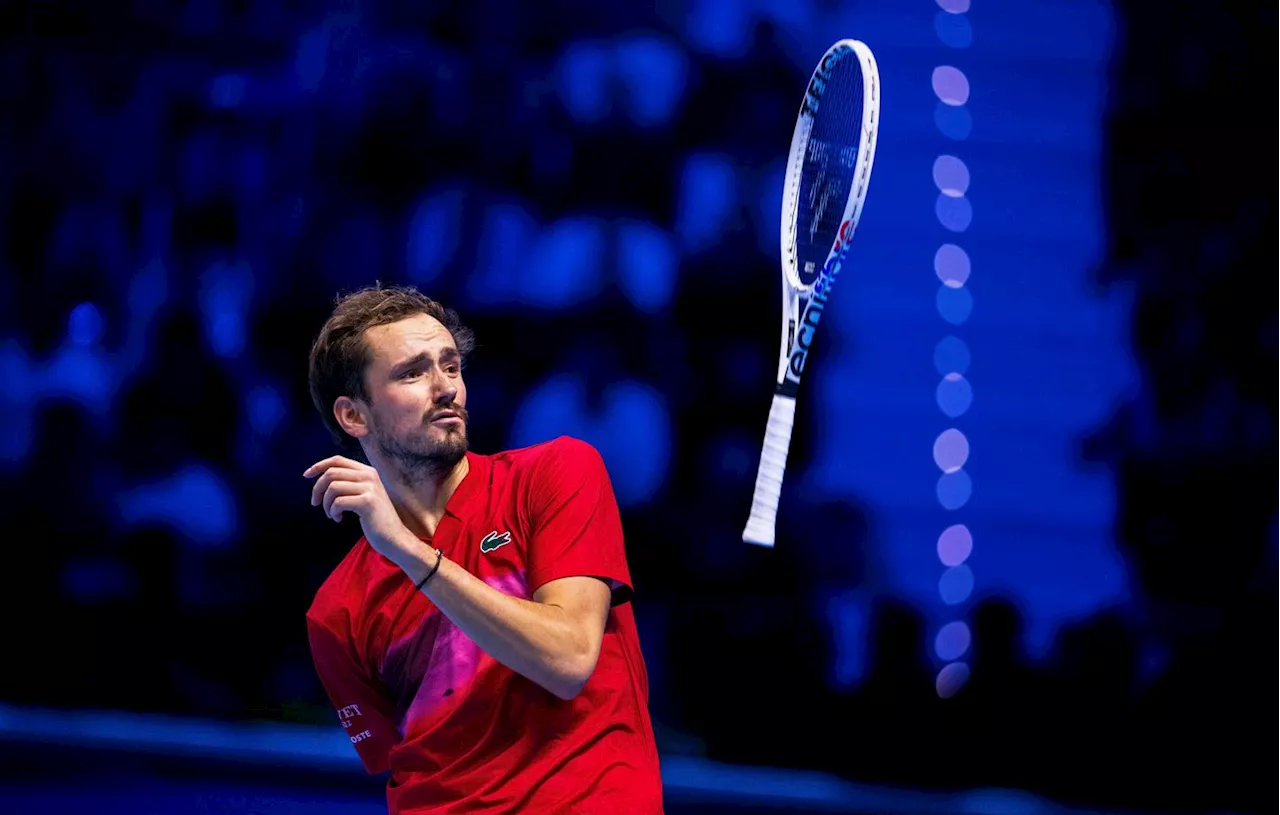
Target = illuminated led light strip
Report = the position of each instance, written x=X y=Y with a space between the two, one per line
x=951 y=356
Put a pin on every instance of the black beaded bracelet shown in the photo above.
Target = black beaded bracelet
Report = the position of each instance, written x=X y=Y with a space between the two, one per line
x=423 y=581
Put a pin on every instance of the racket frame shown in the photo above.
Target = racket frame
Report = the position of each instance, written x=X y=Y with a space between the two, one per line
x=802 y=306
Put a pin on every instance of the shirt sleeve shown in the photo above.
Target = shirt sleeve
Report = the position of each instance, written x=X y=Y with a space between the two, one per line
x=577 y=530
x=362 y=709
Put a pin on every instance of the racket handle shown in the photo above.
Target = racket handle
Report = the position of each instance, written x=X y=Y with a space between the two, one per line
x=773 y=462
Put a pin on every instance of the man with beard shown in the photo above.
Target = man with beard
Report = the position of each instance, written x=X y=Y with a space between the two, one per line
x=477 y=642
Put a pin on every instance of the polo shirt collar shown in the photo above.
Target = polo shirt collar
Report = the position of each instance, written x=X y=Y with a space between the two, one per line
x=470 y=492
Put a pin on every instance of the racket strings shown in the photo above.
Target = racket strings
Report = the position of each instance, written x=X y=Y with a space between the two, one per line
x=830 y=166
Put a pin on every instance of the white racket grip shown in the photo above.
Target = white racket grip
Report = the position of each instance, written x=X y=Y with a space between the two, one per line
x=773 y=463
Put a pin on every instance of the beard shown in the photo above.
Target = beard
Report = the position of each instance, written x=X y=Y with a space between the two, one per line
x=429 y=452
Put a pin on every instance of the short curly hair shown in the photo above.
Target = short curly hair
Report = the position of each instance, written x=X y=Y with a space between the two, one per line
x=340 y=353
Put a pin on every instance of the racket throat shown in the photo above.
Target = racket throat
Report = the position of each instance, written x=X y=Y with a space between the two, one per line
x=801 y=341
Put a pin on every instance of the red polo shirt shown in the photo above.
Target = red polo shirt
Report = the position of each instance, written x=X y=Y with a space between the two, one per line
x=459 y=731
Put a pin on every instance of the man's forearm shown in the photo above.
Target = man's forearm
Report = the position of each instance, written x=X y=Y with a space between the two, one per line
x=536 y=640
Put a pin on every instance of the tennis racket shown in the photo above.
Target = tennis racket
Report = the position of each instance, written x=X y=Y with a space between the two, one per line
x=832 y=149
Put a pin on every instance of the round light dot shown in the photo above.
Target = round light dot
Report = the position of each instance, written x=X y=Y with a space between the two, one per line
x=951 y=355
x=954 y=6
x=954 y=489
x=951 y=176
x=955 y=585
x=952 y=122
x=951 y=264
x=950 y=85
x=951 y=679
x=954 y=213
x=955 y=395
x=950 y=450
x=955 y=305
x=952 y=641
x=953 y=29
x=954 y=545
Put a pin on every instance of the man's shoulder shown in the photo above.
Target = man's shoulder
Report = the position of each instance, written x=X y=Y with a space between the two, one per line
x=560 y=450
x=563 y=464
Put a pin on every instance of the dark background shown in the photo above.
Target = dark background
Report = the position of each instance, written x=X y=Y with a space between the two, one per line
x=185 y=187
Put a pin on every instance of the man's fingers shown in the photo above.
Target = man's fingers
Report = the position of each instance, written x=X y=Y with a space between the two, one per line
x=320 y=466
x=332 y=461
x=330 y=476
x=338 y=490
x=340 y=486
x=341 y=504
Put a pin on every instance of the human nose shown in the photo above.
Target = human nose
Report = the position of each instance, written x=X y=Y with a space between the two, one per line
x=444 y=391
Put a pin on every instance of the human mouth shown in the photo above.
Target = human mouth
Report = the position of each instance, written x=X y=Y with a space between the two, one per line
x=446 y=417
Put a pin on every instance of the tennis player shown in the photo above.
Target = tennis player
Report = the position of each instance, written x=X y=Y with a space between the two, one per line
x=478 y=641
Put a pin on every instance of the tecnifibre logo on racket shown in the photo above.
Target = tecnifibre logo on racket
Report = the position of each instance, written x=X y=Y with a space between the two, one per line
x=813 y=313
x=845 y=234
